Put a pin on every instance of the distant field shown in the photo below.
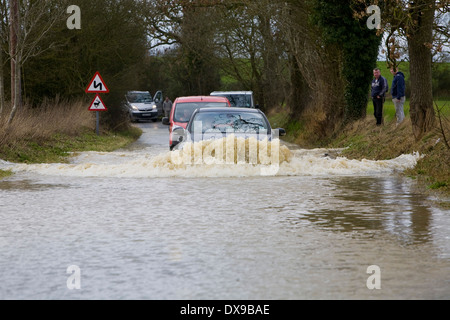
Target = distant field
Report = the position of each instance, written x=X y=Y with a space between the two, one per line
x=441 y=77
x=404 y=67
x=389 y=109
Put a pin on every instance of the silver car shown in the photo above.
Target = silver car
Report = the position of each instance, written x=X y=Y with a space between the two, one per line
x=216 y=123
x=141 y=106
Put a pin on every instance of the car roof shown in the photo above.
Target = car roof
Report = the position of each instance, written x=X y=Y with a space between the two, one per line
x=133 y=91
x=231 y=92
x=201 y=98
x=228 y=110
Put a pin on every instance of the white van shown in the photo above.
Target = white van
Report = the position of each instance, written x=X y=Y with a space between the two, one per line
x=142 y=106
x=240 y=99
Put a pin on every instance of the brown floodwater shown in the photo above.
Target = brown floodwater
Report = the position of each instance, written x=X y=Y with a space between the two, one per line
x=140 y=223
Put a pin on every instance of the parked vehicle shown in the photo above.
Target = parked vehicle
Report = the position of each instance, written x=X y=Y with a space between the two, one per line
x=217 y=123
x=142 y=106
x=184 y=107
x=239 y=99
x=158 y=99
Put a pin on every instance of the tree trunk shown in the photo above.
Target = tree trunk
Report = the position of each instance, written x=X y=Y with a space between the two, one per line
x=3 y=23
x=299 y=96
x=271 y=88
x=15 y=59
x=420 y=38
x=2 y=86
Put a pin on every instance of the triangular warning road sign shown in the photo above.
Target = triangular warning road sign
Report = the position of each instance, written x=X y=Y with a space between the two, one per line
x=97 y=85
x=97 y=104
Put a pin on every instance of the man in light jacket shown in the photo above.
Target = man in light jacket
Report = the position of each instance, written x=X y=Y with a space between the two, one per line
x=167 y=107
x=398 y=94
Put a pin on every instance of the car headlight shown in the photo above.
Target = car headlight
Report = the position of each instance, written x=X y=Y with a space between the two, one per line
x=134 y=108
x=154 y=106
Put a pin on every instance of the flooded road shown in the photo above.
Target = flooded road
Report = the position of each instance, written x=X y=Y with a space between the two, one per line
x=135 y=227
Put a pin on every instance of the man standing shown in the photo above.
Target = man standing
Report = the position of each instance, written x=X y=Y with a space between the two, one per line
x=398 y=94
x=167 y=107
x=379 y=88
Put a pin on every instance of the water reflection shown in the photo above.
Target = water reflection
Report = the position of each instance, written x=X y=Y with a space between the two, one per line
x=407 y=214
x=369 y=204
x=147 y=235
x=25 y=185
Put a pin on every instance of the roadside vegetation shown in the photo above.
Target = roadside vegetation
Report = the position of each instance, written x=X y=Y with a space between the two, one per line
x=5 y=173
x=55 y=131
x=309 y=63
x=363 y=140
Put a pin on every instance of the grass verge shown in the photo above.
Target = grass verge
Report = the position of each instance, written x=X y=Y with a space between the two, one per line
x=59 y=147
x=364 y=140
x=5 y=173
x=54 y=132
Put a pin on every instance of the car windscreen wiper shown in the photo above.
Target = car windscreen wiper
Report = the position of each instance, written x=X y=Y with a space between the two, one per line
x=253 y=123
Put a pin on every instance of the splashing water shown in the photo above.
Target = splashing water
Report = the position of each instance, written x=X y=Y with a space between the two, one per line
x=227 y=157
x=231 y=150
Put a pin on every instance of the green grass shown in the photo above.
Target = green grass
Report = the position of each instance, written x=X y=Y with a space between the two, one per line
x=389 y=108
x=438 y=185
x=60 y=146
x=385 y=72
x=440 y=81
x=5 y=173
x=282 y=120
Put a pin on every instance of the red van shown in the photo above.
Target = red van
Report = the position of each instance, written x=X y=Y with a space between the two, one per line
x=184 y=107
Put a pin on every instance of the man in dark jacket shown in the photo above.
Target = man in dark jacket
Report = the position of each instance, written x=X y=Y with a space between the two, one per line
x=398 y=94
x=379 y=88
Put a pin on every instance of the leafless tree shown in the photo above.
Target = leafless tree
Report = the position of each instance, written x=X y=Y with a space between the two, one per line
x=419 y=23
x=30 y=21
x=317 y=84
x=251 y=42
x=3 y=24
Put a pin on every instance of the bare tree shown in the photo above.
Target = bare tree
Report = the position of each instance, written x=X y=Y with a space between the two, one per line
x=2 y=86
x=188 y=28
x=251 y=43
x=3 y=24
x=418 y=22
x=15 y=59
x=241 y=37
x=317 y=84
x=419 y=46
x=29 y=24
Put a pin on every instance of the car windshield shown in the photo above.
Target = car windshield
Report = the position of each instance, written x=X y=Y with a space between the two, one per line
x=139 y=97
x=231 y=122
x=239 y=100
x=184 y=111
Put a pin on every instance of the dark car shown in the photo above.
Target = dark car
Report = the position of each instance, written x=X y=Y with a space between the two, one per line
x=216 y=123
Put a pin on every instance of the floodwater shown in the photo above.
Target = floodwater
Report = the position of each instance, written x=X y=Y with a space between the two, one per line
x=132 y=225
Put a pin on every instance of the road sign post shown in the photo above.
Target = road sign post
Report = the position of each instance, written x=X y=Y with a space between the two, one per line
x=97 y=123
x=97 y=85
x=97 y=105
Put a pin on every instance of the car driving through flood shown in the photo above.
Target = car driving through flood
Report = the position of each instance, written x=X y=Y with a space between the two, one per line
x=217 y=123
